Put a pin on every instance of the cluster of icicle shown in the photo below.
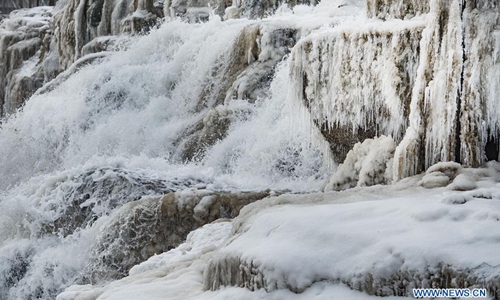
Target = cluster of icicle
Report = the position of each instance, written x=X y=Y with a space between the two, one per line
x=426 y=74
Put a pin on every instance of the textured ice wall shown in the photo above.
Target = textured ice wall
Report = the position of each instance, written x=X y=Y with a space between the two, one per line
x=80 y=21
x=24 y=41
x=427 y=74
x=356 y=80
x=480 y=116
x=396 y=9
x=150 y=226
x=454 y=112
x=433 y=118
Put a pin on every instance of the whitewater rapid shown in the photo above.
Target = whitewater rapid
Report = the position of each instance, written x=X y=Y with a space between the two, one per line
x=116 y=128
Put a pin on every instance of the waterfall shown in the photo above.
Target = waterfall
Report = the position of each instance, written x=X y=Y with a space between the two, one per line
x=188 y=106
x=128 y=124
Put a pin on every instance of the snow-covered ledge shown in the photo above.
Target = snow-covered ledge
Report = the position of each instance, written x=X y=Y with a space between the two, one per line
x=383 y=241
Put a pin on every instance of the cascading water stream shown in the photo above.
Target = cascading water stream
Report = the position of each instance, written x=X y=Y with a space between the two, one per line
x=117 y=130
x=135 y=104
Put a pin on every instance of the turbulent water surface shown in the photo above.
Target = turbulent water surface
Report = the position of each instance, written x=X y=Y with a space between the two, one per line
x=116 y=130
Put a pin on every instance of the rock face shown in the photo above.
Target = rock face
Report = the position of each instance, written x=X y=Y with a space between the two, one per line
x=151 y=226
x=260 y=8
x=396 y=9
x=429 y=81
x=24 y=42
x=200 y=10
x=81 y=21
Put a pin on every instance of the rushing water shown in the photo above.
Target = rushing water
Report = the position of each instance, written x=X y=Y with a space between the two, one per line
x=115 y=131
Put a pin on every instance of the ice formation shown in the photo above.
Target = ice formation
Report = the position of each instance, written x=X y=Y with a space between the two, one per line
x=24 y=41
x=427 y=76
x=368 y=163
x=357 y=80
x=143 y=228
x=79 y=22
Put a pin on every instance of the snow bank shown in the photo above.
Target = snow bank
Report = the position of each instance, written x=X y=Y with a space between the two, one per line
x=379 y=240
x=177 y=275
x=411 y=237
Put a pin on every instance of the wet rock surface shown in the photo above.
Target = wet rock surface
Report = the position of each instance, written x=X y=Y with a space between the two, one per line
x=396 y=9
x=150 y=226
x=96 y=192
x=24 y=41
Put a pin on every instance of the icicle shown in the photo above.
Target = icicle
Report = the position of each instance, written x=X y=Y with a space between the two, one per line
x=358 y=80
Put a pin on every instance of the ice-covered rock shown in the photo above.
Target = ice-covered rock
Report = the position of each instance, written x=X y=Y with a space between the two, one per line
x=420 y=75
x=368 y=163
x=80 y=21
x=141 y=229
x=382 y=247
x=24 y=43
x=200 y=10
x=445 y=122
x=396 y=9
x=440 y=174
x=356 y=80
x=75 y=201
x=260 y=8
x=195 y=10
x=463 y=182
x=434 y=180
x=259 y=48
x=206 y=133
